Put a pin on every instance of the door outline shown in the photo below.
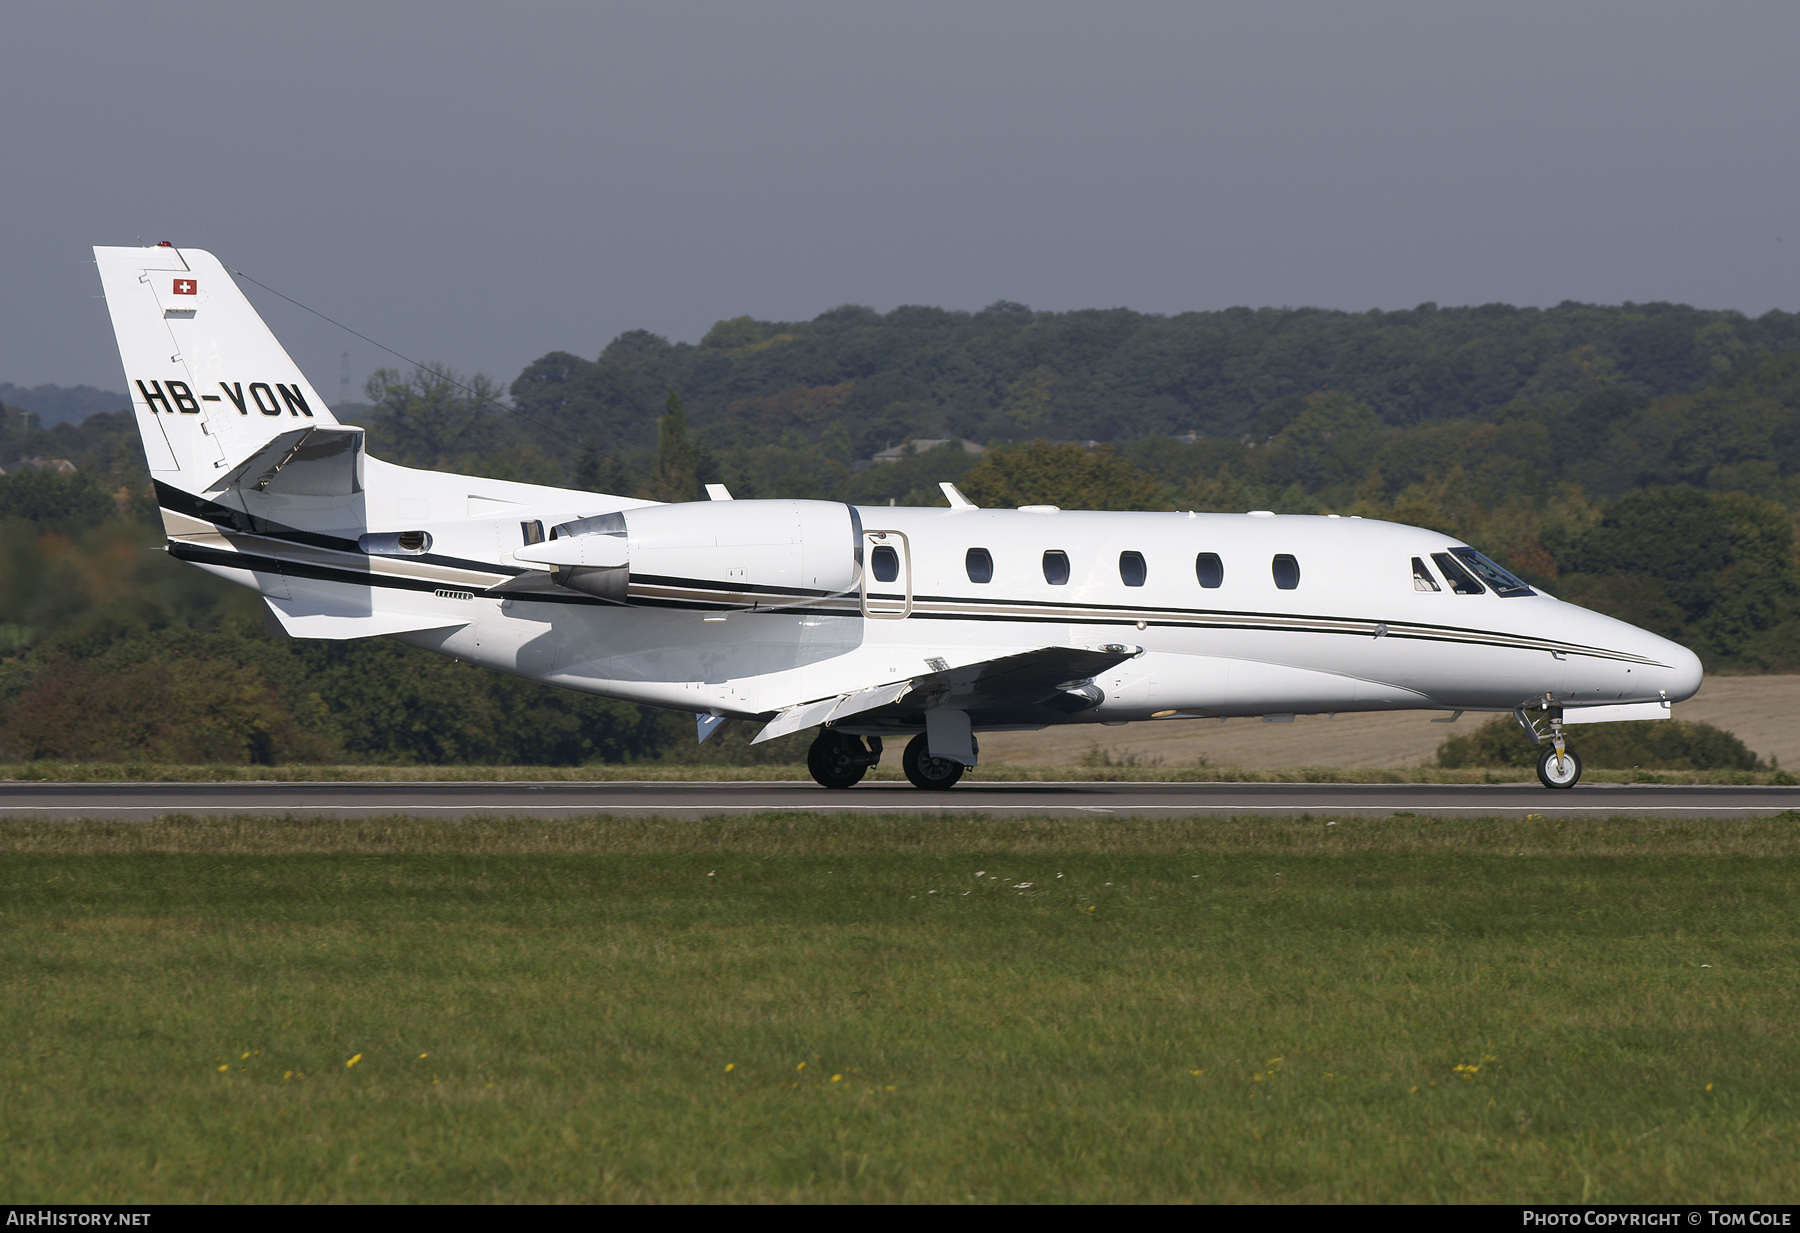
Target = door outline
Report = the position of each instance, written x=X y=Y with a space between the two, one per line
x=872 y=540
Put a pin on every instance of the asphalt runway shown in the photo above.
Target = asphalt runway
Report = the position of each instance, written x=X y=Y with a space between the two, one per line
x=145 y=801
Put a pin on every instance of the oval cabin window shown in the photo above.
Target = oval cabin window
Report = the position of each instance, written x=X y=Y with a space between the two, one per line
x=1056 y=568
x=1132 y=570
x=979 y=564
x=1286 y=571
x=884 y=563
x=1209 y=570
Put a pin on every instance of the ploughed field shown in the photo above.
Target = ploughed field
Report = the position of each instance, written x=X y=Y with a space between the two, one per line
x=894 y=1008
x=1763 y=711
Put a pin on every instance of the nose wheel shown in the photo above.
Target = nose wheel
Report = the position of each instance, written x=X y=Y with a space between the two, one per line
x=1558 y=768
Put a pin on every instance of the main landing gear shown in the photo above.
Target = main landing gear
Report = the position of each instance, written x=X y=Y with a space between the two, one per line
x=1557 y=767
x=839 y=760
x=925 y=771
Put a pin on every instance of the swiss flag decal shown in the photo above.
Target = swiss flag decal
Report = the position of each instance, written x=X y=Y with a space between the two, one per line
x=186 y=286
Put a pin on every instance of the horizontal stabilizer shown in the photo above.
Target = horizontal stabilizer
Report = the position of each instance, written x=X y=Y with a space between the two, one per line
x=297 y=619
x=1009 y=683
x=307 y=462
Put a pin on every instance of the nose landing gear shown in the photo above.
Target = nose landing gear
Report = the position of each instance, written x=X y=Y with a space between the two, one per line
x=1556 y=766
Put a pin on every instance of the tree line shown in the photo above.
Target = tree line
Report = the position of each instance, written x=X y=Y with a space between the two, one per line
x=1643 y=461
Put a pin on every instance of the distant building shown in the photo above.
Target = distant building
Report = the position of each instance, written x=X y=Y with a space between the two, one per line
x=924 y=444
x=62 y=466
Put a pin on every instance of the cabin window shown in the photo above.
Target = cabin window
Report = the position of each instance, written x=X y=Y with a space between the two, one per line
x=1456 y=575
x=1209 y=570
x=1422 y=579
x=1286 y=570
x=1503 y=583
x=979 y=564
x=1132 y=570
x=884 y=563
x=1056 y=568
x=532 y=532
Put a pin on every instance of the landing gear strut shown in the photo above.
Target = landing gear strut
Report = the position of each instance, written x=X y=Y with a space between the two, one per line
x=1556 y=766
x=838 y=760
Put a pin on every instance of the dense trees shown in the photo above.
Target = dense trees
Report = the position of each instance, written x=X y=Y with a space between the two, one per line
x=1641 y=460
x=1116 y=375
x=110 y=650
x=1070 y=476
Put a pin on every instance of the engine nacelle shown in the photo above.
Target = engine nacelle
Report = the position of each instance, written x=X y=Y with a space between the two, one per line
x=742 y=553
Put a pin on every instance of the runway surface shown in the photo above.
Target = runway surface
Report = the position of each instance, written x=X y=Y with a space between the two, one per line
x=145 y=801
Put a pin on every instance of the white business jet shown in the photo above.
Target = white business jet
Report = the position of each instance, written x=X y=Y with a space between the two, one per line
x=866 y=622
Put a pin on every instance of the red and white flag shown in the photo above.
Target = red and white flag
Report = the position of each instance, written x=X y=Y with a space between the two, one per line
x=186 y=286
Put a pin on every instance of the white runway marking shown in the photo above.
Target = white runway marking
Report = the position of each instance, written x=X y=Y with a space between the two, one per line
x=27 y=811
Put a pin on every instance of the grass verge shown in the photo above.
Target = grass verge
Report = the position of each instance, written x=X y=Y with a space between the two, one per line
x=803 y=1007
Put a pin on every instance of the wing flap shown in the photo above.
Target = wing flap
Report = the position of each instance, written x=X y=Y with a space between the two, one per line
x=806 y=714
x=1009 y=682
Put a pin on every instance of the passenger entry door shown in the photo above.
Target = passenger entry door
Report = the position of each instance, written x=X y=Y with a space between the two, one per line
x=886 y=589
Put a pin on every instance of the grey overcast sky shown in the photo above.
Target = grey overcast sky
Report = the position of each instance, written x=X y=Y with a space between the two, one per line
x=483 y=183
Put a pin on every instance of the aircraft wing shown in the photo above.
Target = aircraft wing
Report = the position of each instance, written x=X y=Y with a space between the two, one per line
x=1011 y=683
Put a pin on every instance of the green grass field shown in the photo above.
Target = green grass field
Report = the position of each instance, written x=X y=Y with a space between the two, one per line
x=824 y=1008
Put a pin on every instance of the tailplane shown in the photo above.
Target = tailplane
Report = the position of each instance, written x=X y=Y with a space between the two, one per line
x=218 y=400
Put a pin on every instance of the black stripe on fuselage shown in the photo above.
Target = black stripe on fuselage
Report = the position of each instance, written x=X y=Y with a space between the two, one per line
x=708 y=596
x=236 y=520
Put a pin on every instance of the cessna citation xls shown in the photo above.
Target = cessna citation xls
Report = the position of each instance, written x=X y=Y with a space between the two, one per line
x=867 y=622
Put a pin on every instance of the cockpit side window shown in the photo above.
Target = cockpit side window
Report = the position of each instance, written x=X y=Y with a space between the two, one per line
x=1132 y=570
x=1422 y=579
x=1503 y=583
x=1456 y=575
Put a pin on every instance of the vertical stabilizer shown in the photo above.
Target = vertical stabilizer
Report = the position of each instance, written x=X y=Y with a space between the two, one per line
x=209 y=383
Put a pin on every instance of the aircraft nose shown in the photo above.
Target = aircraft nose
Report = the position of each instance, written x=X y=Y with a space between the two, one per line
x=1683 y=672
x=1677 y=671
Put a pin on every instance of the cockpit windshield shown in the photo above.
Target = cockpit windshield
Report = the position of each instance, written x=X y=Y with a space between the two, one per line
x=1503 y=583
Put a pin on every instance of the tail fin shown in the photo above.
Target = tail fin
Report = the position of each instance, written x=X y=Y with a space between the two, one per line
x=211 y=386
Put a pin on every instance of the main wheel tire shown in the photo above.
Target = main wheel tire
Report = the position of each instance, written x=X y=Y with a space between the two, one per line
x=836 y=760
x=925 y=771
x=1554 y=772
